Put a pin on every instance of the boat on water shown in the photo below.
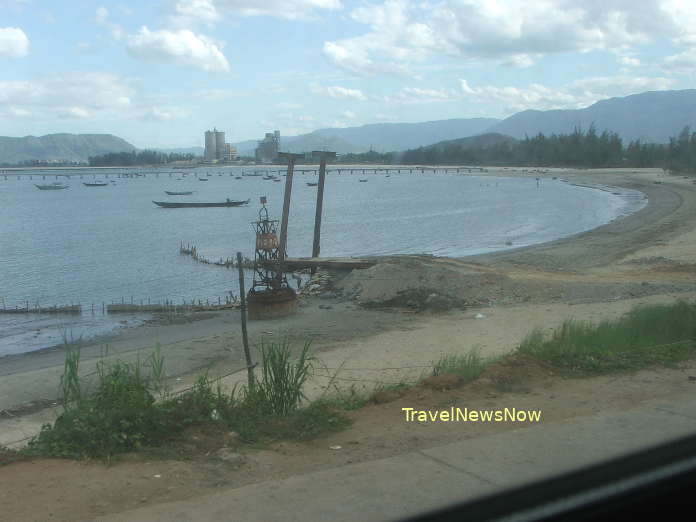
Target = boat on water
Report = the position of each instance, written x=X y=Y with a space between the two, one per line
x=227 y=203
x=202 y=179
x=238 y=177
x=312 y=184
x=96 y=184
x=185 y=193
x=362 y=180
x=56 y=185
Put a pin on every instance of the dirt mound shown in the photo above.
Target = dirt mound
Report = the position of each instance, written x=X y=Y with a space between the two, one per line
x=421 y=284
x=515 y=370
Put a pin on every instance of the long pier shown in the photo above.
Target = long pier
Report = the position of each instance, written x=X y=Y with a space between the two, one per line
x=108 y=172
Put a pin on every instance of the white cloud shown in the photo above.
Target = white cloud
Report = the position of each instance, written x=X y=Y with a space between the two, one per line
x=629 y=61
x=101 y=17
x=77 y=95
x=185 y=13
x=575 y=95
x=13 y=43
x=512 y=32
x=179 y=47
x=338 y=92
x=684 y=62
x=349 y=115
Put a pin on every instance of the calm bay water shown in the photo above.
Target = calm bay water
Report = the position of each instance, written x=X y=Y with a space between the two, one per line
x=102 y=244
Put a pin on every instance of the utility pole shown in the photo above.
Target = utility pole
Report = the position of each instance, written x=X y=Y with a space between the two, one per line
x=322 y=155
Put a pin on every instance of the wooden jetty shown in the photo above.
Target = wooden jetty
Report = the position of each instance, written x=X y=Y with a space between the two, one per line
x=338 y=263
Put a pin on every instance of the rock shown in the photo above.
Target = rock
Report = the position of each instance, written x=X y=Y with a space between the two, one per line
x=231 y=457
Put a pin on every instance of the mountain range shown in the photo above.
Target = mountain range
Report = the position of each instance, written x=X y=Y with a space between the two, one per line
x=61 y=147
x=651 y=117
x=381 y=137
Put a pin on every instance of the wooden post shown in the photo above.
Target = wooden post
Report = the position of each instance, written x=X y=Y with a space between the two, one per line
x=245 y=340
x=282 y=249
x=316 y=248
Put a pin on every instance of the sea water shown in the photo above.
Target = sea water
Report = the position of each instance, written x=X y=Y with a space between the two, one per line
x=98 y=245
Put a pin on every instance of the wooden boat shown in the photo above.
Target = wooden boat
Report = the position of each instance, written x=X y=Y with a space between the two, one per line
x=238 y=177
x=362 y=181
x=185 y=193
x=202 y=179
x=228 y=203
x=53 y=186
x=312 y=184
x=96 y=184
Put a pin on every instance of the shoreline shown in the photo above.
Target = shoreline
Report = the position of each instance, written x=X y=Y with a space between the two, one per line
x=118 y=332
x=215 y=342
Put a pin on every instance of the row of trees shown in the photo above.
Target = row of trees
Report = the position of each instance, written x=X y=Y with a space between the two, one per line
x=584 y=149
x=143 y=157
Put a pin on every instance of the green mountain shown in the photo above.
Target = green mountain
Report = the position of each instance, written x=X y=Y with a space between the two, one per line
x=652 y=117
x=60 y=147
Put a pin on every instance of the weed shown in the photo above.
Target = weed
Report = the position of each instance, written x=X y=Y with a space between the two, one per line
x=647 y=335
x=280 y=388
x=467 y=366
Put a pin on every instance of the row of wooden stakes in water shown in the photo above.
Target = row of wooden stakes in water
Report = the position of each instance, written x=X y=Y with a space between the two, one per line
x=167 y=306
x=191 y=250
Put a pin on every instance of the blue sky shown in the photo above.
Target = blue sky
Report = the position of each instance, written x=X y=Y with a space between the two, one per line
x=158 y=73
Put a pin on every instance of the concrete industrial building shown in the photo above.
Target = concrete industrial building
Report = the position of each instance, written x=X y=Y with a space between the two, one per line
x=267 y=150
x=216 y=149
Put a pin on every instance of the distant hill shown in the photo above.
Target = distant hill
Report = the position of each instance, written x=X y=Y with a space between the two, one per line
x=381 y=137
x=474 y=142
x=653 y=117
x=60 y=147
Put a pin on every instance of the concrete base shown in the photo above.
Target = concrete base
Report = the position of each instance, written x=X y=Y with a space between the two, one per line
x=271 y=304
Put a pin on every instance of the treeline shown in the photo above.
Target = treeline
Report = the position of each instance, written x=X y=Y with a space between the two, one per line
x=583 y=149
x=142 y=157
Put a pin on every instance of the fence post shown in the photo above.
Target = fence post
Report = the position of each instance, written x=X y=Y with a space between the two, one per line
x=245 y=340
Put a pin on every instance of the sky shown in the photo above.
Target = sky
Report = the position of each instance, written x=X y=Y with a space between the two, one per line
x=158 y=73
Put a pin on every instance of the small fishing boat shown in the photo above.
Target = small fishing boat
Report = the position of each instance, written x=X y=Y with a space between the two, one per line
x=57 y=185
x=238 y=177
x=362 y=180
x=226 y=203
x=202 y=179
x=312 y=184
x=96 y=184
x=185 y=193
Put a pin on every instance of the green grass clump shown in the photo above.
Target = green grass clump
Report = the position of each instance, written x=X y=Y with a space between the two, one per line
x=279 y=390
x=647 y=335
x=468 y=366
x=129 y=408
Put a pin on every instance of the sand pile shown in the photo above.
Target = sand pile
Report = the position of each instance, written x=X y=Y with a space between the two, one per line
x=422 y=284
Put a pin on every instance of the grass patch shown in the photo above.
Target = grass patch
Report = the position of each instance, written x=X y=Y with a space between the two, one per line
x=129 y=409
x=646 y=336
x=467 y=366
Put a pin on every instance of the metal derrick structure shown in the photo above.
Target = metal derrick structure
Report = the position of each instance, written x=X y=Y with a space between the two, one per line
x=270 y=295
x=268 y=276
